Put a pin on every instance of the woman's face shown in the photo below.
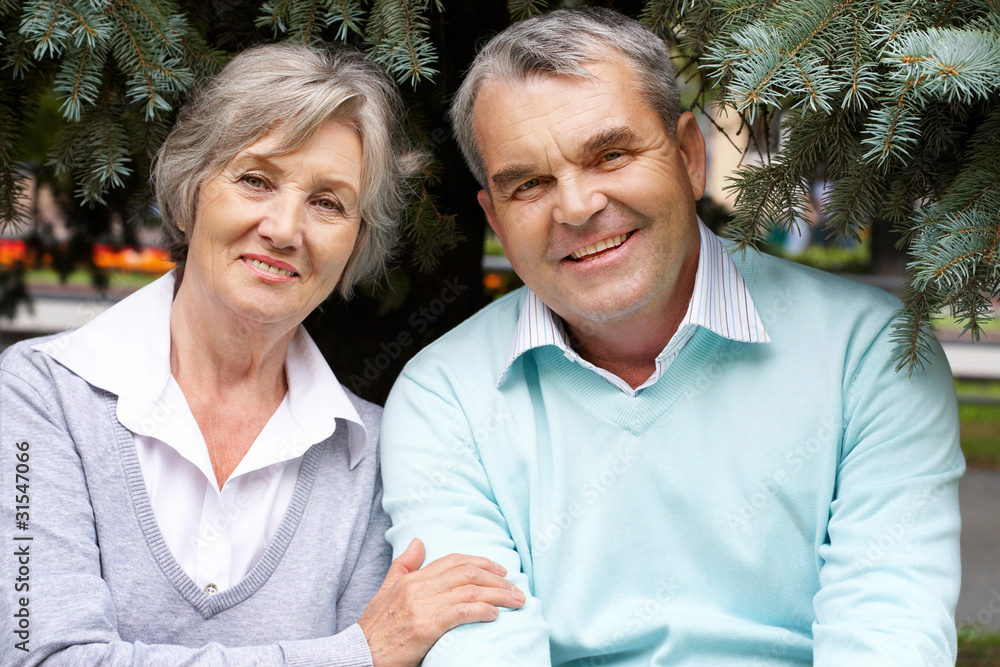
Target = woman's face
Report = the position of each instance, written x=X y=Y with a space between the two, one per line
x=272 y=234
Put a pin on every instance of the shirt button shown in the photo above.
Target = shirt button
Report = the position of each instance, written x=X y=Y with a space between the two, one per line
x=211 y=589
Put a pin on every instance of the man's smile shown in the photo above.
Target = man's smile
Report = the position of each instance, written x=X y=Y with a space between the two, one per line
x=595 y=249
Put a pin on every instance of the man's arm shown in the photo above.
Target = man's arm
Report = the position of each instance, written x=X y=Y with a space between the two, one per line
x=437 y=489
x=890 y=571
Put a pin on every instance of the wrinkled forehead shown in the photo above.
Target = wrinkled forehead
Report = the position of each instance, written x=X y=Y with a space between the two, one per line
x=513 y=113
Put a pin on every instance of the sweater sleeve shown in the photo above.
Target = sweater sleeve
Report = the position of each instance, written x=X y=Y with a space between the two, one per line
x=56 y=606
x=890 y=569
x=437 y=489
x=372 y=564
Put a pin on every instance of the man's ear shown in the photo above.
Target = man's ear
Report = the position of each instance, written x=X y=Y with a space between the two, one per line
x=691 y=145
x=491 y=213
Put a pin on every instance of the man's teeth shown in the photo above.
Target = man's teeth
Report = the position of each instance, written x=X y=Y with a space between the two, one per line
x=595 y=248
x=257 y=264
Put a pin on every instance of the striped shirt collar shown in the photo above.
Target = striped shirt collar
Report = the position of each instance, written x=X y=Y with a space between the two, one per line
x=720 y=302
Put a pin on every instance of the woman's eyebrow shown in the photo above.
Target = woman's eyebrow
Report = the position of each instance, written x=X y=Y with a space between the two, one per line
x=265 y=159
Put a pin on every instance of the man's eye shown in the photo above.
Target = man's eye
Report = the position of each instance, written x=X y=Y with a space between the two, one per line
x=527 y=185
x=613 y=155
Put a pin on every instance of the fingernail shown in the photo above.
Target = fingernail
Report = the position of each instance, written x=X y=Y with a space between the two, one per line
x=500 y=568
x=517 y=595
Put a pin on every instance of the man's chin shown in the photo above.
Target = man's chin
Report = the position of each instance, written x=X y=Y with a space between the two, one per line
x=598 y=315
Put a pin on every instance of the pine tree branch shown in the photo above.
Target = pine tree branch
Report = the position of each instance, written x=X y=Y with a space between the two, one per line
x=42 y=25
x=308 y=26
x=945 y=12
x=518 y=10
x=913 y=330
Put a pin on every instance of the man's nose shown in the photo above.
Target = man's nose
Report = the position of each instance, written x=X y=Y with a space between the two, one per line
x=577 y=201
x=283 y=222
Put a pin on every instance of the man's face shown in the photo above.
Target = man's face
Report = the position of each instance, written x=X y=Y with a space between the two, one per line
x=592 y=200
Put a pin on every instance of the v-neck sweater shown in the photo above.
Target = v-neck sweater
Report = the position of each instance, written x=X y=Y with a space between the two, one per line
x=102 y=586
x=791 y=502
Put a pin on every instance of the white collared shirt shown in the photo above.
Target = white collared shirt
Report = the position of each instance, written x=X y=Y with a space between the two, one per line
x=719 y=301
x=215 y=535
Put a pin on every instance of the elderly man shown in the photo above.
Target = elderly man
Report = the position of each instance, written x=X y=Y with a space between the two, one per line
x=687 y=457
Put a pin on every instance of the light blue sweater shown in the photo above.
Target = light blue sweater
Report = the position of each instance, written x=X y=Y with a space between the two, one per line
x=776 y=503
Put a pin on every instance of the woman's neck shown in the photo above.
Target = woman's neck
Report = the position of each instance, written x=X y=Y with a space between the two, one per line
x=231 y=372
x=213 y=350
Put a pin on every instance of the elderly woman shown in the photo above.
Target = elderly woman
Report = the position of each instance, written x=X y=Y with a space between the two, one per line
x=185 y=481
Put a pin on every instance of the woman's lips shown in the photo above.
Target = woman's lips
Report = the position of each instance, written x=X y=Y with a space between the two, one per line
x=270 y=269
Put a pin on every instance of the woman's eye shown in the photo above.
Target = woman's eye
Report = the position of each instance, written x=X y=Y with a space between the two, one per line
x=527 y=185
x=253 y=181
x=328 y=204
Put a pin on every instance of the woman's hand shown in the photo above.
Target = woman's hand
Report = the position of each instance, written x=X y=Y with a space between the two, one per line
x=415 y=606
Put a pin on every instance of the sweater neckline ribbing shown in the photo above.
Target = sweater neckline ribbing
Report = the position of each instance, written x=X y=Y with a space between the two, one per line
x=691 y=371
x=205 y=604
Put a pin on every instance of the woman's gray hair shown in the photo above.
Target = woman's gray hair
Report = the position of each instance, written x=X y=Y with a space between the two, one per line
x=294 y=89
x=562 y=43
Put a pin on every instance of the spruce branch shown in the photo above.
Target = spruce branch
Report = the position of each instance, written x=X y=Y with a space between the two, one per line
x=949 y=65
x=47 y=24
x=430 y=231
x=522 y=9
x=398 y=30
x=13 y=180
x=913 y=330
x=79 y=77
x=347 y=15
x=853 y=203
x=767 y=195
x=17 y=56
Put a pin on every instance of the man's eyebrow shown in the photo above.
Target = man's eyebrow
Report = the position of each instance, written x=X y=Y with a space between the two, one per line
x=613 y=137
x=510 y=175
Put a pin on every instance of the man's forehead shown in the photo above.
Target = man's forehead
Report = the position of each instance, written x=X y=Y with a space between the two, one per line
x=514 y=120
x=553 y=101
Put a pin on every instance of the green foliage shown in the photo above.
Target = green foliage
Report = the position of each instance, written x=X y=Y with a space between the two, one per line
x=522 y=9
x=977 y=648
x=398 y=31
x=120 y=68
x=303 y=20
x=896 y=102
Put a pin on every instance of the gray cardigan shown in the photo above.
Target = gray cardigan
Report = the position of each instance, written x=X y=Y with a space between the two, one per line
x=88 y=580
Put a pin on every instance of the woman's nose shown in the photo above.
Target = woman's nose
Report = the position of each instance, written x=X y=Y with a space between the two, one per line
x=282 y=224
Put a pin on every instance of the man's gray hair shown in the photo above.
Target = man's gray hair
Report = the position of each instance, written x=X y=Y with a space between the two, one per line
x=561 y=43
x=293 y=89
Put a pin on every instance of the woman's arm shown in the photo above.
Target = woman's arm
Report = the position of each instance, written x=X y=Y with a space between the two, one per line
x=57 y=607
